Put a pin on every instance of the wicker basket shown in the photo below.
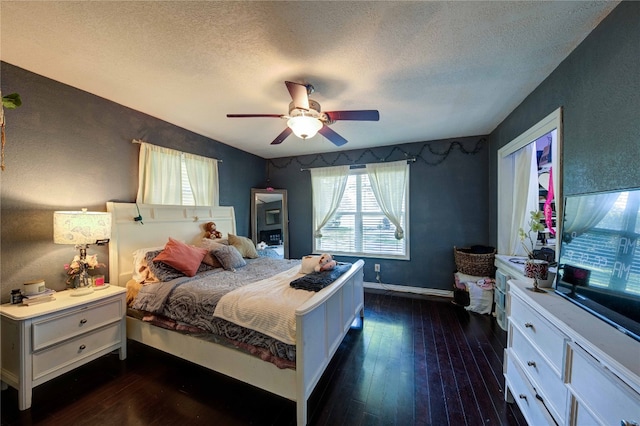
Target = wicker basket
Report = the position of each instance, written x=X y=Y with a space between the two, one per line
x=476 y=264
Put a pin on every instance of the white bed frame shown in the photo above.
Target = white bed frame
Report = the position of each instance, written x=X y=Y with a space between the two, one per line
x=321 y=322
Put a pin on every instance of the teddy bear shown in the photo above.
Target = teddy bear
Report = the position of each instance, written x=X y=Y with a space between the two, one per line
x=325 y=263
x=210 y=231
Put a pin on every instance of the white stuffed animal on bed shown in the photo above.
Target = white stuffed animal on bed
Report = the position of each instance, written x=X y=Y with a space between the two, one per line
x=325 y=263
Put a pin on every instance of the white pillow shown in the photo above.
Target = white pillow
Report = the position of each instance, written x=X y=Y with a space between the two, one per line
x=139 y=263
x=308 y=263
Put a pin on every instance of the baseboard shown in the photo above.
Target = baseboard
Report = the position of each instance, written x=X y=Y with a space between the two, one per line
x=408 y=289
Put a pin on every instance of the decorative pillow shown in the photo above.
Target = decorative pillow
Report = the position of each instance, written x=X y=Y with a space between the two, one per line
x=308 y=263
x=209 y=258
x=140 y=268
x=161 y=270
x=181 y=256
x=244 y=245
x=229 y=257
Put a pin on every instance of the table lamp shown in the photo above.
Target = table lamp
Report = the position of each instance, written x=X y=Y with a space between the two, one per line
x=81 y=228
x=538 y=270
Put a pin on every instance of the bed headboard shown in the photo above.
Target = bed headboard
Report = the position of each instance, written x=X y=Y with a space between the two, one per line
x=184 y=223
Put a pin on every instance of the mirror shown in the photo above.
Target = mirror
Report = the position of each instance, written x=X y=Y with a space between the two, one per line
x=269 y=220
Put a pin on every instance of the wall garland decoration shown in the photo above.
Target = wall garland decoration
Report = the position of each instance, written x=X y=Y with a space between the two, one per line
x=420 y=155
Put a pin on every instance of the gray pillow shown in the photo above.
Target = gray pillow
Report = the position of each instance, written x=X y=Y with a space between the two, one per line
x=165 y=272
x=229 y=257
x=161 y=270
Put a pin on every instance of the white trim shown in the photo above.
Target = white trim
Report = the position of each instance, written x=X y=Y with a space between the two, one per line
x=551 y=122
x=544 y=126
x=408 y=289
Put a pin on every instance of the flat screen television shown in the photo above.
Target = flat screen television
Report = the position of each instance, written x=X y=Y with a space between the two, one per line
x=599 y=262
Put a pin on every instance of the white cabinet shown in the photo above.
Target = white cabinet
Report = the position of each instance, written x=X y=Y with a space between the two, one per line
x=42 y=341
x=511 y=267
x=565 y=366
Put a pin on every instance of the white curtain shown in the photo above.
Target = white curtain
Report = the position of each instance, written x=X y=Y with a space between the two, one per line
x=158 y=175
x=327 y=187
x=525 y=195
x=389 y=183
x=584 y=213
x=203 y=178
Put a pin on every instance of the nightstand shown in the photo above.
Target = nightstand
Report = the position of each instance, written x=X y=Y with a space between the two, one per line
x=43 y=341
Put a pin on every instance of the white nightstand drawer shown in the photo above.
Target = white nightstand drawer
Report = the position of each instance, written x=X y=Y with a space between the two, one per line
x=57 y=328
x=67 y=353
x=542 y=334
x=608 y=397
x=545 y=379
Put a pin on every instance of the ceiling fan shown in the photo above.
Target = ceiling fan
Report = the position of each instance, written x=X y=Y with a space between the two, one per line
x=305 y=118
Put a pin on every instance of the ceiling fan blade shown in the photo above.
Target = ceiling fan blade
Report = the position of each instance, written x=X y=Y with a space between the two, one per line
x=254 y=115
x=332 y=136
x=363 y=115
x=299 y=94
x=282 y=136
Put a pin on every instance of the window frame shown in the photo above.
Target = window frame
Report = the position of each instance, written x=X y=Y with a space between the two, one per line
x=359 y=214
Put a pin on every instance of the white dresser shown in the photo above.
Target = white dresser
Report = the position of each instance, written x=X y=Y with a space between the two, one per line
x=43 y=341
x=508 y=269
x=563 y=365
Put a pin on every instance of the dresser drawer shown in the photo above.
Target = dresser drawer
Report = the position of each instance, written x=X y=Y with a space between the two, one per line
x=54 y=329
x=532 y=409
x=76 y=349
x=539 y=332
x=544 y=378
x=501 y=281
x=501 y=318
x=607 y=397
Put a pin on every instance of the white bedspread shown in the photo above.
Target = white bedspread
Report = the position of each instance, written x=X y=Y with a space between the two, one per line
x=267 y=306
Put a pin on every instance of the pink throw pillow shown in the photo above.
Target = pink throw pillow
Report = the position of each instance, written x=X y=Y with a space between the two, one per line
x=181 y=256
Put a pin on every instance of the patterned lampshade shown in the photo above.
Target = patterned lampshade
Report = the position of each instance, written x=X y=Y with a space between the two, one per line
x=81 y=227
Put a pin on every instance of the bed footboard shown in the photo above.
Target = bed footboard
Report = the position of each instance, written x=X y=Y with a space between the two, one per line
x=321 y=324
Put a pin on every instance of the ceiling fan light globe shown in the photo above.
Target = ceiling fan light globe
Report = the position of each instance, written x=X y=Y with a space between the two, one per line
x=304 y=127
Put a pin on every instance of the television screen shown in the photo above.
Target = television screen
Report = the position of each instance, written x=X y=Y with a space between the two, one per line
x=599 y=262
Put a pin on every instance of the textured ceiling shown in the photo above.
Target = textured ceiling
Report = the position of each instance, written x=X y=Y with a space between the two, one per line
x=434 y=70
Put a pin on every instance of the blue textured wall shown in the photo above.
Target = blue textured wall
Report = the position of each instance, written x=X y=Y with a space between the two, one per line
x=68 y=149
x=598 y=86
x=448 y=205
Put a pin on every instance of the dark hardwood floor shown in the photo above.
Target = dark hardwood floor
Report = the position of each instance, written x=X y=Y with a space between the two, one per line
x=415 y=361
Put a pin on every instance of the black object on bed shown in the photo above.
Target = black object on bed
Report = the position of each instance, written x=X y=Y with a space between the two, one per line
x=316 y=281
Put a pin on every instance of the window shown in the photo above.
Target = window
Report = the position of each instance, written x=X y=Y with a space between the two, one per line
x=187 y=194
x=359 y=226
x=167 y=176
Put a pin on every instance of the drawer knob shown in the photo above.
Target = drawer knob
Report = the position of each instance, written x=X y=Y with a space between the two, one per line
x=83 y=321
x=531 y=363
x=522 y=396
x=82 y=348
x=528 y=325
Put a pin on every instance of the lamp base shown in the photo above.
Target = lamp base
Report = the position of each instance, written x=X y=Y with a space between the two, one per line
x=81 y=291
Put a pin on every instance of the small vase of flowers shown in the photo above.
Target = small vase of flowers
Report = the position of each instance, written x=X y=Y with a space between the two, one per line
x=534 y=268
x=77 y=270
x=527 y=237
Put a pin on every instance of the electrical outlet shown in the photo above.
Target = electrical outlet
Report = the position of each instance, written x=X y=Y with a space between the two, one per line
x=376 y=267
